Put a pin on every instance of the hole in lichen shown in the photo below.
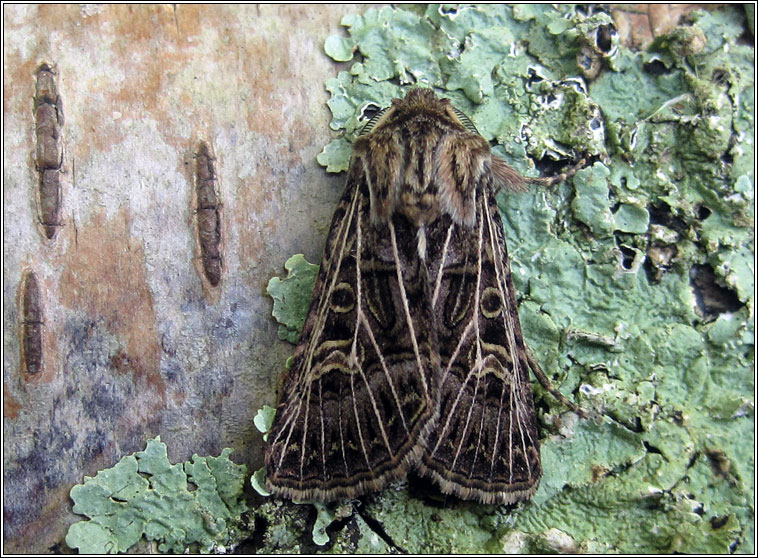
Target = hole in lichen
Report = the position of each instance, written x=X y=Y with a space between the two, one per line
x=651 y=449
x=369 y=111
x=719 y=522
x=711 y=296
x=548 y=166
x=604 y=37
x=636 y=426
x=532 y=77
x=719 y=462
x=656 y=68
x=627 y=257
x=719 y=77
x=703 y=212
x=662 y=214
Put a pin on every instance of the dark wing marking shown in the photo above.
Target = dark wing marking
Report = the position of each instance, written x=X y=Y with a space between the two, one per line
x=485 y=444
x=358 y=402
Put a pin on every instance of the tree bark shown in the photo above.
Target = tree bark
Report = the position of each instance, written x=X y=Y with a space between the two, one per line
x=136 y=340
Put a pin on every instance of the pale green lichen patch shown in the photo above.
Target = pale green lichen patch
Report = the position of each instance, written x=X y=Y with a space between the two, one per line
x=632 y=219
x=292 y=295
x=608 y=265
x=194 y=505
x=590 y=203
x=339 y=48
x=630 y=513
x=324 y=518
x=336 y=156
x=258 y=482
x=264 y=419
x=586 y=451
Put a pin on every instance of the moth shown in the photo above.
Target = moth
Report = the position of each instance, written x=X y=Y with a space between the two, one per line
x=411 y=356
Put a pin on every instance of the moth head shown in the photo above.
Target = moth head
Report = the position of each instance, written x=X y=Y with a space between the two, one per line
x=420 y=100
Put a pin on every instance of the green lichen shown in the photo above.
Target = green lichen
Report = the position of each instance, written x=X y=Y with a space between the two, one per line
x=144 y=495
x=258 y=482
x=324 y=518
x=612 y=318
x=292 y=295
x=264 y=419
x=306 y=528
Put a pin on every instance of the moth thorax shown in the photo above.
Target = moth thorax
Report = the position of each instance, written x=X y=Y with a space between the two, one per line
x=420 y=208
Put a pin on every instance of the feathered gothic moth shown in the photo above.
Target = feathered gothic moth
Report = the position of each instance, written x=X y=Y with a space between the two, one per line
x=411 y=356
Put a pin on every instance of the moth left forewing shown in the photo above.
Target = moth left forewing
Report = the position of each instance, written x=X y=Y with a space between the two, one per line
x=358 y=402
x=292 y=469
x=485 y=445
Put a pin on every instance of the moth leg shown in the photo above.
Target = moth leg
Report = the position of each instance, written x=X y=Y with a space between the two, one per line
x=565 y=175
x=540 y=374
x=507 y=178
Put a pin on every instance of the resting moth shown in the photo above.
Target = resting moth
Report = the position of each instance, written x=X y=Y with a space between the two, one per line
x=411 y=356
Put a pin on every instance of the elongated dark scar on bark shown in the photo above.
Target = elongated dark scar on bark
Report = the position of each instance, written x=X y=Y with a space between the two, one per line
x=208 y=216
x=31 y=325
x=48 y=120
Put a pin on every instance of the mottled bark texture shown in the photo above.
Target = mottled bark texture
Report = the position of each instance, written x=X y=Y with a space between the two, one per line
x=137 y=341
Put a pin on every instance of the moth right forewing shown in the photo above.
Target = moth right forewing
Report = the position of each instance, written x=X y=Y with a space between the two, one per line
x=357 y=403
x=516 y=474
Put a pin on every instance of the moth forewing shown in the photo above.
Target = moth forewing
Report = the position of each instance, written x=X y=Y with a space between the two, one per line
x=358 y=402
x=411 y=355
